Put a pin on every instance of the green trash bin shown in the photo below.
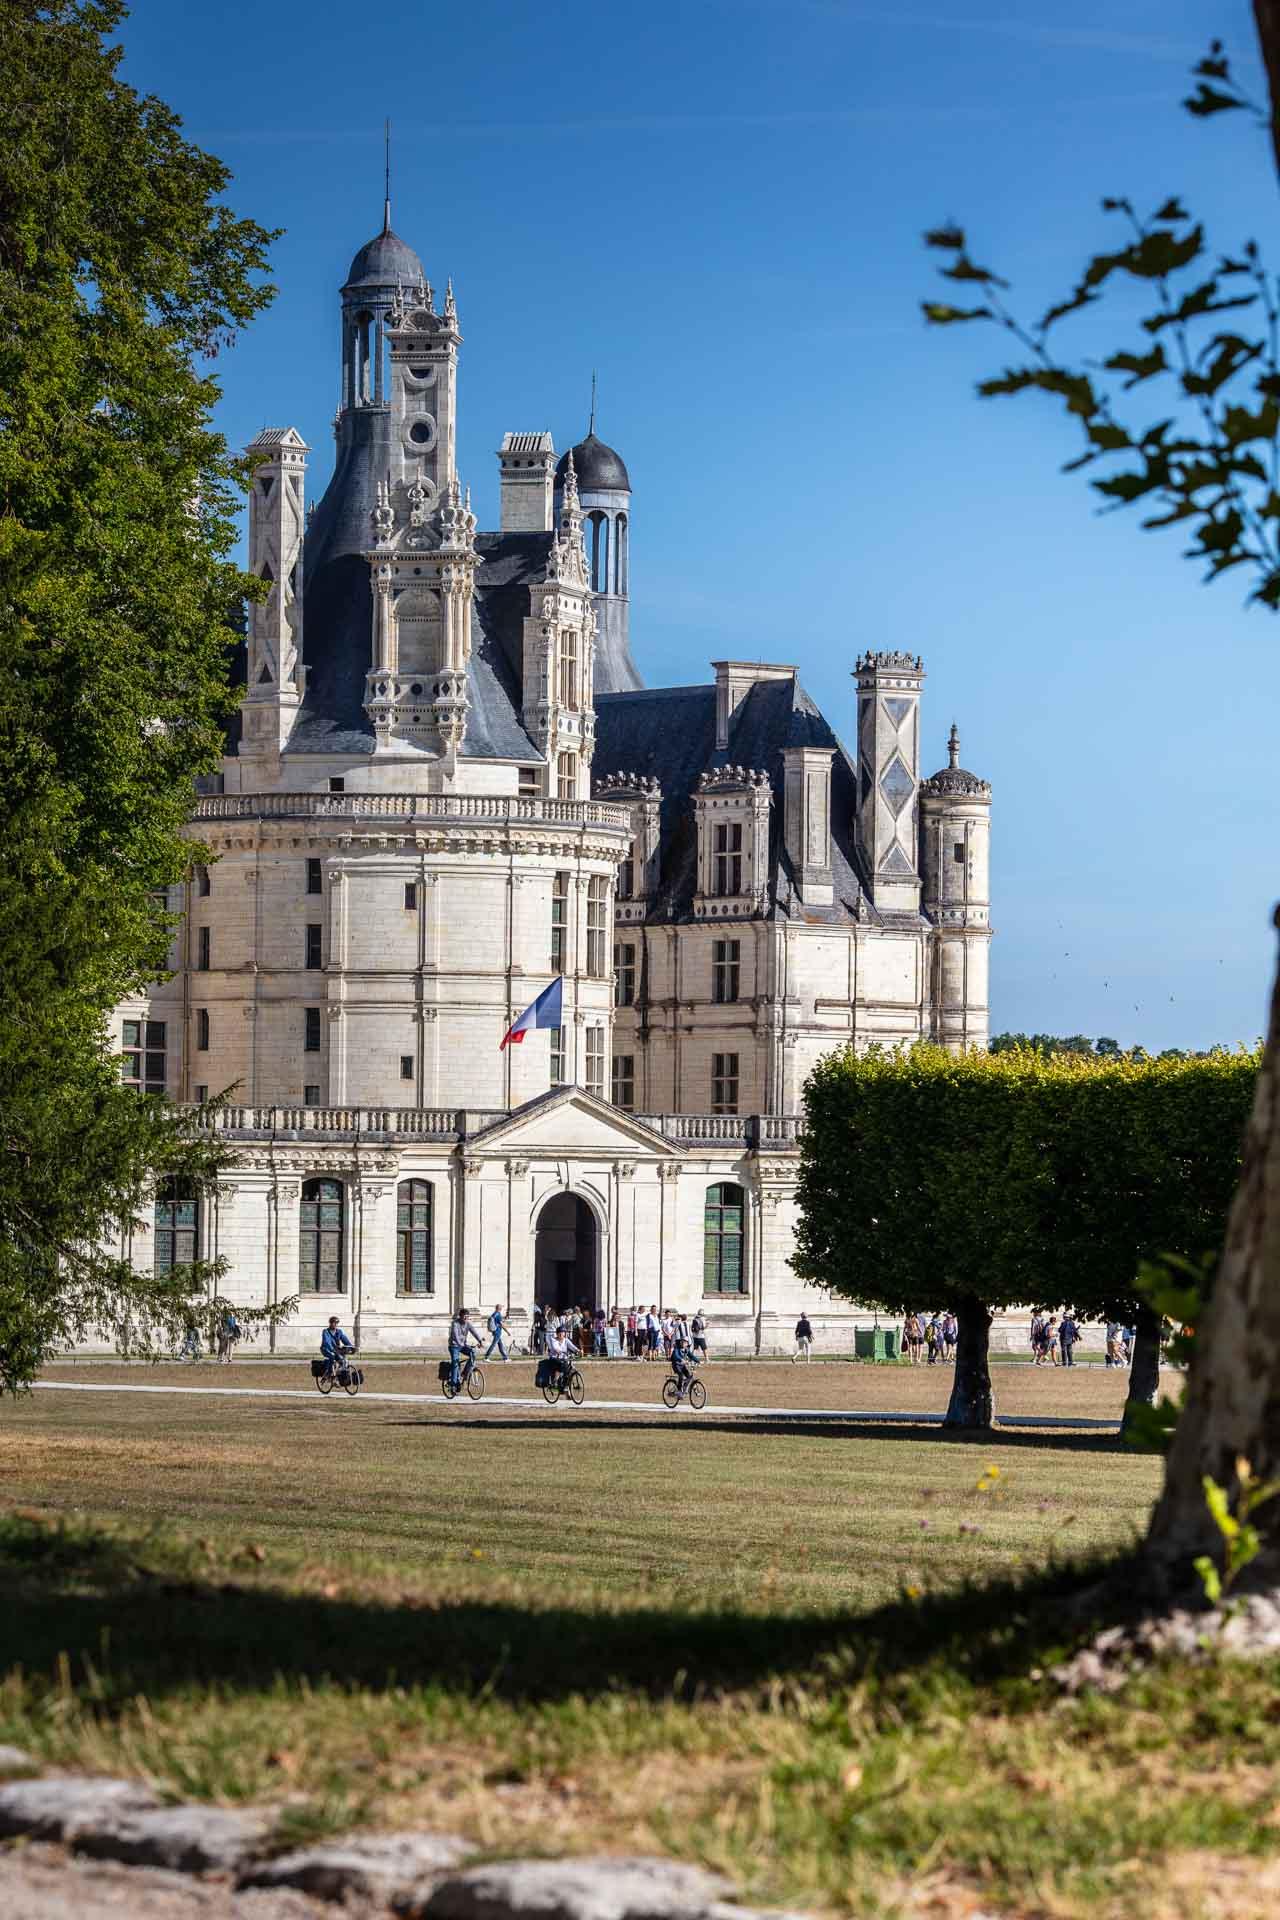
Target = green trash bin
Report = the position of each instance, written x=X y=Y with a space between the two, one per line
x=875 y=1343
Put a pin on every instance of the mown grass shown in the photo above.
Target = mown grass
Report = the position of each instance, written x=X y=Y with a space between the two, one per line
x=742 y=1647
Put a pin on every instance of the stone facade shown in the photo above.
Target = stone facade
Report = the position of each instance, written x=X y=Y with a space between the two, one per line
x=447 y=787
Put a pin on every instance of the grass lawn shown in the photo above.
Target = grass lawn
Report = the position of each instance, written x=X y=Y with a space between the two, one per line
x=801 y=1654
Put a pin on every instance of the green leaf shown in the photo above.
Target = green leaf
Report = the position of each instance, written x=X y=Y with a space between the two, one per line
x=1210 y=1578
x=1239 y=425
x=948 y=236
x=1141 y=365
x=1171 y=210
x=1110 y=438
x=965 y=269
x=1215 y=1498
x=1207 y=100
x=939 y=315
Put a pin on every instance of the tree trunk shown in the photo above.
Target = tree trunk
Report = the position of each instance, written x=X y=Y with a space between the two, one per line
x=972 y=1401
x=1232 y=1410
x=1144 y=1374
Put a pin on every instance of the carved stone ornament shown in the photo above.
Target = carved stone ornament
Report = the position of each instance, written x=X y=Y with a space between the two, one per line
x=473 y=1168
x=669 y=1170
x=517 y=1168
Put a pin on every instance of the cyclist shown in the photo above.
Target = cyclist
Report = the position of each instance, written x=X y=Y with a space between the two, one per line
x=462 y=1336
x=334 y=1343
x=561 y=1354
x=682 y=1355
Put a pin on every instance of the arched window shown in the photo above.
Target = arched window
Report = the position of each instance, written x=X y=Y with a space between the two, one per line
x=620 y=554
x=413 y=1237
x=723 y=1267
x=320 y=1238
x=177 y=1226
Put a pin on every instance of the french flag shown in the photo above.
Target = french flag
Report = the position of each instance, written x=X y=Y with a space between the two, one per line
x=546 y=1011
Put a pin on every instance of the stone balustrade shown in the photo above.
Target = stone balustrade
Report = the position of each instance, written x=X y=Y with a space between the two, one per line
x=769 y=1130
x=412 y=807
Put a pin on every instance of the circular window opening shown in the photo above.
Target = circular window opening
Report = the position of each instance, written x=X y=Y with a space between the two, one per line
x=420 y=373
x=416 y=688
x=420 y=433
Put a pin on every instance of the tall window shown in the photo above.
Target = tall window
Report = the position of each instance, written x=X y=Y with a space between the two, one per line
x=728 y=858
x=567 y=777
x=313 y=945
x=406 y=1066
x=143 y=1067
x=597 y=902
x=177 y=1225
x=320 y=1238
x=724 y=1083
x=202 y=950
x=410 y=895
x=202 y=1029
x=311 y=1040
x=726 y=959
x=624 y=971
x=557 y=1056
x=413 y=1237
x=595 y=1061
x=530 y=784
x=627 y=878
x=311 y=1094
x=559 y=922
x=624 y=1081
x=315 y=879
x=202 y=880
x=722 y=1262
x=569 y=677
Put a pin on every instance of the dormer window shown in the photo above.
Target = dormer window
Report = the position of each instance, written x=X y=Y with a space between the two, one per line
x=728 y=862
x=570 y=681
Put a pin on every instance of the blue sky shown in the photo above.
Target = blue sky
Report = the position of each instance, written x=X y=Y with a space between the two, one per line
x=718 y=204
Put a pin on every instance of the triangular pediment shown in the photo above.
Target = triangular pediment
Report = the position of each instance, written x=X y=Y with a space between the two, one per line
x=569 y=1119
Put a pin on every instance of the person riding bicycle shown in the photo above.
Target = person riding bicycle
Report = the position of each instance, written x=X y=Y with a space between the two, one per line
x=561 y=1354
x=682 y=1356
x=462 y=1336
x=334 y=1343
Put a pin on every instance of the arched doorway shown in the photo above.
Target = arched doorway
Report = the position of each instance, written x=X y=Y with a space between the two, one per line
x=567 y=1254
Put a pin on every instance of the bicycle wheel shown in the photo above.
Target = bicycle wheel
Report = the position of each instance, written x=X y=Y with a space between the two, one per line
x=475 y=1383
x=671 y=1391
x=577 y=1392
x=447 y=1388
x=551 y=1392
x=352 y=1383
x=697 y=1395
x=325 y=1382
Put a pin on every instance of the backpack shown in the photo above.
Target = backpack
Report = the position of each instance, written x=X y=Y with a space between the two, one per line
x=495 y=1322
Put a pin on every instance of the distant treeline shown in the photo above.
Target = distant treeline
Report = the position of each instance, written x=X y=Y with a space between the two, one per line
x=1104 y=1048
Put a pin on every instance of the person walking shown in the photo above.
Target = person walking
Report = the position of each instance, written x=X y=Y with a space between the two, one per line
x=699 y=1332
x=933 y=1339
x=1051 y=1340
x=228 y=1334
x=950 y=1334
x=1068 y=1334
x=911 y=1337
x=498 y=1332
x=191 y=1349
x=804 y=1339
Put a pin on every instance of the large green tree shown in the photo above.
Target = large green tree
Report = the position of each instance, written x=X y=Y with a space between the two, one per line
x=122 y=276
x=1024 y=1178
x=1203 y=457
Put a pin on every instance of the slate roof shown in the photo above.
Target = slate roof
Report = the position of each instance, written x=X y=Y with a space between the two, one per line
x=383 y=262
x=598 y=468
x=337 y=652
x=669 y=735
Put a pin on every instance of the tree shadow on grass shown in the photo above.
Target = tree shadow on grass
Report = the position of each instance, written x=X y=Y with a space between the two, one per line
x=706 y=1426
x=136 y=1618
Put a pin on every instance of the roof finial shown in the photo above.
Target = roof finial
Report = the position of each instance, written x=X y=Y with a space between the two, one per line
x=591 y=424
x=953 y=745
x=386 y=176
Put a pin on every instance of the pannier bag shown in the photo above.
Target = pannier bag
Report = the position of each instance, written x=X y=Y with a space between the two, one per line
x=317 y=1368
x=347 y=1374
x=543 y=1376
x=444 y=1370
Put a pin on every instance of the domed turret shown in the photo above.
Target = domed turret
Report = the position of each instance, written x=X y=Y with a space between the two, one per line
x=599 y=468
x=385 y=261
x=955 y=860
x=604 y=490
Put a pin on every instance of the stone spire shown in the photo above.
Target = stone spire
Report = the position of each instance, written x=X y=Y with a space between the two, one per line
x=953 y=746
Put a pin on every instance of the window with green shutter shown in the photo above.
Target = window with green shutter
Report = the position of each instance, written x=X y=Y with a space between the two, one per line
x=723 y=1266
x=413 y=1235
x=320 y=1238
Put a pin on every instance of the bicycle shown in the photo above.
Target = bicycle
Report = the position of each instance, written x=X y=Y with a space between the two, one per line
x=674 y=1390
x=329 y=1374
x=470 y=1377
x=554 y=1389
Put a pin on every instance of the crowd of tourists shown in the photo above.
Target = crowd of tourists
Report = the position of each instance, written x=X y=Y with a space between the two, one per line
x=637 y=1333
x=930 y=1339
